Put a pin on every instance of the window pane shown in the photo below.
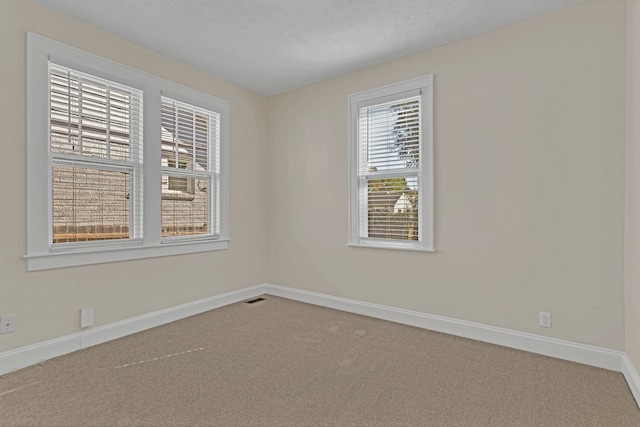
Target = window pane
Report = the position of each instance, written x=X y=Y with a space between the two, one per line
x=93 y=117
x=392 y=208
x=389 y=142
x=184 y=213
x=90 y=204
x=389 y=136
x=189 y=135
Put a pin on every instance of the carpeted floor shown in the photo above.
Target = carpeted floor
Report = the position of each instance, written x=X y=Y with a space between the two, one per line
x=284 y=363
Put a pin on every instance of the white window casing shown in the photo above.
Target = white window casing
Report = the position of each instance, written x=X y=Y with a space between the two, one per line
x=97 y=170
x=391 y=166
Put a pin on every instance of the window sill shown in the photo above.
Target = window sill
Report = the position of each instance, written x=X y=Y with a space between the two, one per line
x=393 y=246
x=99 y=255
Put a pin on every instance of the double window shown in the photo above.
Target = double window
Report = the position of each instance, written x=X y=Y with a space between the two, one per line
x=391 y=149
x=121 y=164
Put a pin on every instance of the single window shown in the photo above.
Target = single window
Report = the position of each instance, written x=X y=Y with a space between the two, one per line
x=92 y=194
x=190 y=143
x=391 y=151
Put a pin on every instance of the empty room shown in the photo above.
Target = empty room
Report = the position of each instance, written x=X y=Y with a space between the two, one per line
x=320 y=212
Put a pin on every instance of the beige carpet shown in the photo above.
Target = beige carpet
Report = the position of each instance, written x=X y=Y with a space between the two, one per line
x=285 y=363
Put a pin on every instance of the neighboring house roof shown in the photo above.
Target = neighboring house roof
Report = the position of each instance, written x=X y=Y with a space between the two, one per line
x=383 y=200
x=402 y=204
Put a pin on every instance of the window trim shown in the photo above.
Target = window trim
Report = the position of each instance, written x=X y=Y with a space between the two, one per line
x=40 y=254
x=421 y=85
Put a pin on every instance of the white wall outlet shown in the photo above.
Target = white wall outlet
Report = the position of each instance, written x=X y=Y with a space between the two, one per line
x=7 y=323
x=545 y=319
x=86 y=317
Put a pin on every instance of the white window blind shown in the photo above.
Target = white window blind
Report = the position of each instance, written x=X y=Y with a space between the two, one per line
x=190 y=171
x=389 y=170
x=96 y=159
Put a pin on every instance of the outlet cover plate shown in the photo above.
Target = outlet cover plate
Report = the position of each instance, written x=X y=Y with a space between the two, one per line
x=86 y=317
x=7 y=323
x=545 y=319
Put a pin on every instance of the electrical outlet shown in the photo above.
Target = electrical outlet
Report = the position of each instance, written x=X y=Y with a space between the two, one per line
x=545 y=319
x=86 y=317
x=7 y=323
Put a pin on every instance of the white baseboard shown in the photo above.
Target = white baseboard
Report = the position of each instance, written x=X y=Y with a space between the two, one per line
x=580 y=353
x=633 y=378
x=32 y=354
x=566 y=350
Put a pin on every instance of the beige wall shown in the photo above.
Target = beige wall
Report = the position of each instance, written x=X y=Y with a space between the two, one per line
x=529 y=143
x=530 y=149
x=632 y=232
x=47 y=303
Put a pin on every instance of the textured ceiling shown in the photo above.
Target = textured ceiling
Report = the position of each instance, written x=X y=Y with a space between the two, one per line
x=271 y=46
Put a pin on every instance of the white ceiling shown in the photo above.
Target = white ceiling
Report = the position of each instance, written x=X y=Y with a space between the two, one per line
x=271 y=46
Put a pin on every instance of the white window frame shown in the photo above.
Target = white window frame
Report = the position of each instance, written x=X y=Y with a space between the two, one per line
x=40 y=253
x=212 y=174
x=398 y=91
